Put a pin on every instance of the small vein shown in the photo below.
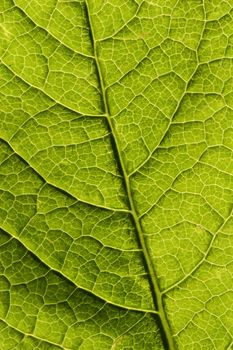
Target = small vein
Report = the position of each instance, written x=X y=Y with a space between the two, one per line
x=33 y=336
x=125 y=307
x=205 y=256
x=168 y=126
x=49 y=33
x=52 y=98
x=60 y=189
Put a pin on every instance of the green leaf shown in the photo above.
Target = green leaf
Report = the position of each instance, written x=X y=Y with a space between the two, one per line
x=116 y=141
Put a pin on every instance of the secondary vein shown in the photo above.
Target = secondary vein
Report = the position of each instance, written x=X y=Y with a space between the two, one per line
x=156 y=293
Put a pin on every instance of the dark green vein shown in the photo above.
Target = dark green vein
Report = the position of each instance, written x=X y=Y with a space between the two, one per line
x=156 y=293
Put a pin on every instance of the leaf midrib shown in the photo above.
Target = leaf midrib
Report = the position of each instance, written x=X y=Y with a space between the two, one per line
x=155 y=290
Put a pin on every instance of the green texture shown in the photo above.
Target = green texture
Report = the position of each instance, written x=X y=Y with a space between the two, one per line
x=116 y=164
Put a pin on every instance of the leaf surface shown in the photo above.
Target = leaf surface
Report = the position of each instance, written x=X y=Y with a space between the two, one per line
x=116 y=168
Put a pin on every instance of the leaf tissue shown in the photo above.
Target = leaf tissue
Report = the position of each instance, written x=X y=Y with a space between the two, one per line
x=116 y=187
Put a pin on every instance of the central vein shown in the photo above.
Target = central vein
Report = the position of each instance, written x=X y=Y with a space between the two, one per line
x=157 y=296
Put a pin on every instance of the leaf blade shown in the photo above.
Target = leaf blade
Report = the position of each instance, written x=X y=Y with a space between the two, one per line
x=116 y=174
